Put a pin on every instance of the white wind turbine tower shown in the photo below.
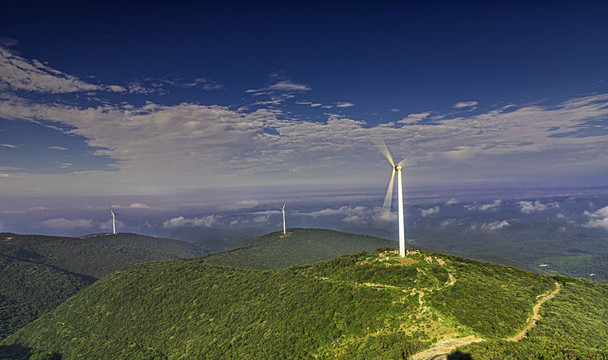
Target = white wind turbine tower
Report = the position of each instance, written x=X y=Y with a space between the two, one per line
x=386 y=207
x=283 y=210
x=113 y=221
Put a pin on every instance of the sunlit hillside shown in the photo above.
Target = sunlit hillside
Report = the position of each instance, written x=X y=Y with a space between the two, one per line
x=365 y=305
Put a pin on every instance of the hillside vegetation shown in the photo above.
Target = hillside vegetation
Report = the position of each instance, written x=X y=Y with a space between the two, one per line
x=298 y=247
x=94 y=255
x=40 y=272
x=359 y=306
x=28 y=290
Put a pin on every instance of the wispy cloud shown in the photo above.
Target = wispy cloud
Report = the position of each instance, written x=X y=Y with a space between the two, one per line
x=67 y=224
x=347 y=213
x=10 y=146
x=139 y=206
x=58 y=148
x=496 y=225
x=18 y=73
x=429 y=212
x=280 y=86
x=484 y=207
x=414 y=118
x=163 y=86
x=344 y=104
x=465 y=104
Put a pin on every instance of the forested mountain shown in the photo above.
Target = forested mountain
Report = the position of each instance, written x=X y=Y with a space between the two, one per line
x=28 y=290
x=298 y=247
x=94 y=255
x=359 y=306
x=40 y=272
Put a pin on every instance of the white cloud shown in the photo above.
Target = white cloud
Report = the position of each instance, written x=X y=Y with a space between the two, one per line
x=452 y=201
x=414 y=118
x=281 y=86
x=347 y=213
x=139 y=206
x=180 y=221
x=344 y=104
x=527 y=207
x=465 y=104
x=260 y=219
x=428 y=212
x=58 y=148
x=484 y=207
x=10 y=146
x=496 y=225
x=65 y=224
x=598 y=219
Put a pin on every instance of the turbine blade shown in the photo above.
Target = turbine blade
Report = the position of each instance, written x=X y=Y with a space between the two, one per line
x=402 y=162
x=381 y=145
x=386 y=207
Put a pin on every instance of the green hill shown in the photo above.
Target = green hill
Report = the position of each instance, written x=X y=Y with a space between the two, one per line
x=298 y=247
x=40 y=272
x=28 y=290
x=94 y=255
x=359 y=306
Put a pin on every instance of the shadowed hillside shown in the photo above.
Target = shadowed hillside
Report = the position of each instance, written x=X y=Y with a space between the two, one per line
x=94 y=255
x=40 y=272
x=28 y=290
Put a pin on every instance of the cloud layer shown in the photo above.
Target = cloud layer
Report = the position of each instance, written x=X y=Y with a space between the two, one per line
x=191 y=145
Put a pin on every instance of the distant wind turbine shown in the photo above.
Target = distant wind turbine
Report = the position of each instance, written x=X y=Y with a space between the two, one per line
x=113 y=221
x=283 y=210
x=386 y=207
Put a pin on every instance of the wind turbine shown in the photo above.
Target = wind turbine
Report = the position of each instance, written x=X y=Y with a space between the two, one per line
x=283 y=210
x=386 y=207
x=113 y=221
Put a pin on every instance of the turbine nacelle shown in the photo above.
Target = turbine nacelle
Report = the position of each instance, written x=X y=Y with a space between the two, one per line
x=398 y=167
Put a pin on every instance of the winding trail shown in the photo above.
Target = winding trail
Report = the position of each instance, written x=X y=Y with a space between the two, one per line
x=536 y=315
x=443 y=348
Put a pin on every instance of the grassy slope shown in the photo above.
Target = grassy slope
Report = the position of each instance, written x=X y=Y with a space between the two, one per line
x=355 y=306
x=297 y=247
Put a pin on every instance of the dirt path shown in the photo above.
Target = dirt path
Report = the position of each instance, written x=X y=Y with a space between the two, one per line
x=443 y=348
x=536 y=315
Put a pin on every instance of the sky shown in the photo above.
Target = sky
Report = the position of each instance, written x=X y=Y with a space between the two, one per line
x=225 y=103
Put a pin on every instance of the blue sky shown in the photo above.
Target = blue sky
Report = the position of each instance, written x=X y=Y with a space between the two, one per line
x=111 y=98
